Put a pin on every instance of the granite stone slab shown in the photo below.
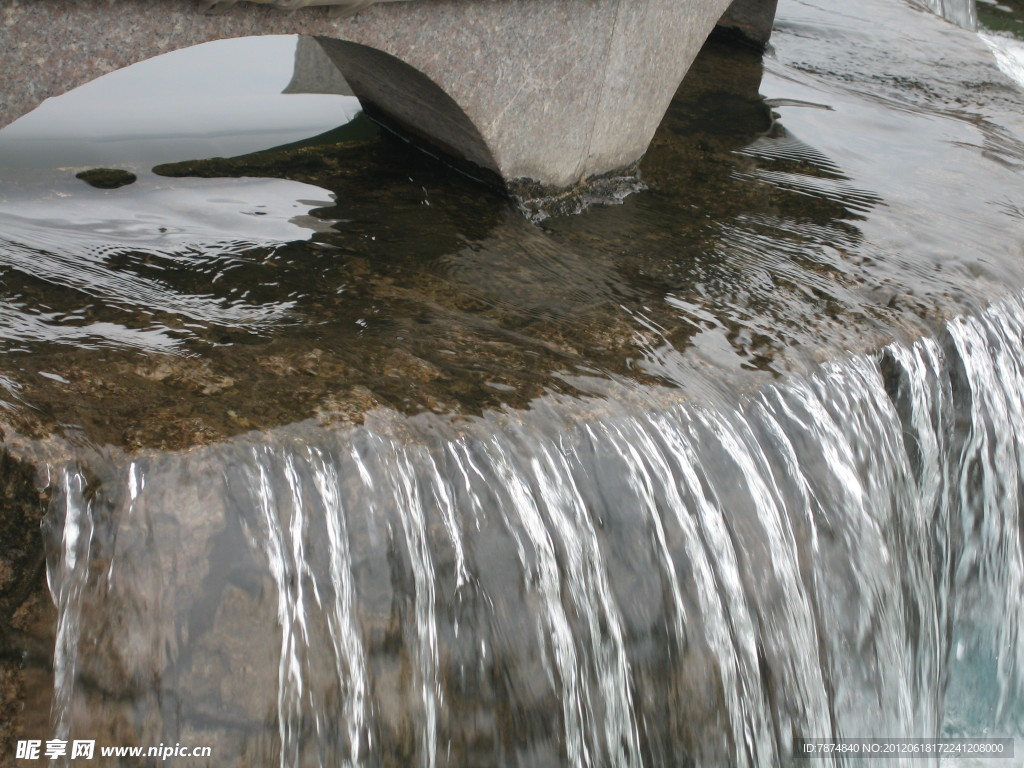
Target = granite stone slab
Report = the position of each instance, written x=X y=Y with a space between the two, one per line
x=545 y=92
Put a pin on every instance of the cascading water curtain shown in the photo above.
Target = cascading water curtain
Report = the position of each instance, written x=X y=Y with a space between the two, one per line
x=835 y=556
x=963 y=13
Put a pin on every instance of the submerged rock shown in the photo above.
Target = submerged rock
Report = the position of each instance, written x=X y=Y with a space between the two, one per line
x=107 y=178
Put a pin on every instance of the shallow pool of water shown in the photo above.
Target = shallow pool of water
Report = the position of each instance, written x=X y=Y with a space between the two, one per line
x=796 y=208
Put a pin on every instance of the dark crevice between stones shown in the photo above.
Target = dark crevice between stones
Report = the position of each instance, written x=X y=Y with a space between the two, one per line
x=24 y=605
x=22 y=507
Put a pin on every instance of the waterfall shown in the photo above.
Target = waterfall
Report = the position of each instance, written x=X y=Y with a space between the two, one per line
x=701 y=583
x=1009 y=55
x=964 y=13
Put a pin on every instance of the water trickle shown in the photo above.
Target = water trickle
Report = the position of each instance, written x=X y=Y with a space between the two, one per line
x=1009 y=53
x=837 y=555
x=962 y=12
x=67 y=571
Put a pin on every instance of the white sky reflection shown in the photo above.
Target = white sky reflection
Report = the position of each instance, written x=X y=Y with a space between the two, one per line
x=216 y=99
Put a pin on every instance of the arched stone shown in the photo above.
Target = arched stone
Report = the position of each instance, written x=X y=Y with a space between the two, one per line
x=315 y=72
x=541 y=94
x=409 y=102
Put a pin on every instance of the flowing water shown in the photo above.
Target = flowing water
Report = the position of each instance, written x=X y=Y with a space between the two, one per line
x=697 y=584
x=351 y=465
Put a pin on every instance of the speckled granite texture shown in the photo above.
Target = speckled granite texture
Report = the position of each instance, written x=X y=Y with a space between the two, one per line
x=554 y=91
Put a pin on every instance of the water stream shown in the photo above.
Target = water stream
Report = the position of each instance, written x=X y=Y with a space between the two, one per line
x=351 y=465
